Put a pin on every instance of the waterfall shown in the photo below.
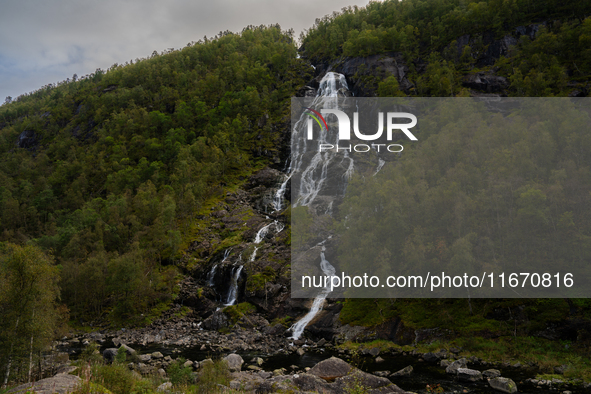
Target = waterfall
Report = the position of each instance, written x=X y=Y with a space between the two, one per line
x=233 y=290
x=278 y=198
x=300 y=325
x=310 y=185
x=226 y=254
x=314 y=175
x=211 y=275
x=262 y=233
x=381 y=163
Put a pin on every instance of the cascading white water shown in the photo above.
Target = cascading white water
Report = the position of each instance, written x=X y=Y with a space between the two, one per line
x=233 y=290
x=226 y=254
x=314 y=175
x=278 y=198
x=211 y=275
x=328 y=270
x=381 y=163
x=262 y=233
x=310 y=184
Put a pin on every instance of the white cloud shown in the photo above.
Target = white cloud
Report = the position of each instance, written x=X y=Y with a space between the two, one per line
x=49 y=41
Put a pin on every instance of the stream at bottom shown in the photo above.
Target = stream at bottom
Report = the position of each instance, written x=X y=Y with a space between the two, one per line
x=423 y=373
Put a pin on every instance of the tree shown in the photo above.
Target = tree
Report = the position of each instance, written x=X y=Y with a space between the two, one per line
x=29 y=305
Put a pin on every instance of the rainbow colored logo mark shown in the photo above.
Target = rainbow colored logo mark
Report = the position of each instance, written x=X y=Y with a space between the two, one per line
x=316 y=119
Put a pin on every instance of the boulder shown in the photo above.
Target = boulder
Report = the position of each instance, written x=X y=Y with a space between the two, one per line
x=453 y=367
x=430 y=357
x=127 y=349
x=110 y=354
x=27 y=139
x=157 y=355
x=234 y=362
x=491 y=373
x=164 y=387
x=371 y=383
x=216 y=321
x=469 y=375
x=406 y=371
x=60 y=384
x=145 y=357
x=330 y=369
x=504 y=385
x=311 y=383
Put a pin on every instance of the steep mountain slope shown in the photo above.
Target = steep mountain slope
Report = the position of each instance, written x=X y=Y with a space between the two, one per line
x=158 y=185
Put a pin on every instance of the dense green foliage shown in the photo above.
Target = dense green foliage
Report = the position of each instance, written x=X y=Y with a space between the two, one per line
x=29 y=306
x=122 y=159
x=479 y=194
x=427 y=31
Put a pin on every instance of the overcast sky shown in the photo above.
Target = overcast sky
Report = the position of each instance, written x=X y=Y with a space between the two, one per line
x=46 y=41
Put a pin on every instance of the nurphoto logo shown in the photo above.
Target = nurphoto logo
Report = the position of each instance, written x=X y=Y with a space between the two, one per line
x=344 y=129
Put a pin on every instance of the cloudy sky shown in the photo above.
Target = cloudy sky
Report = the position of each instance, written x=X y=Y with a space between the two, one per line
x=48 y=41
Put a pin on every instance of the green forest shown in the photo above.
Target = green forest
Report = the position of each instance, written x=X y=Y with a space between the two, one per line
x=104 y=177
x=111 y=169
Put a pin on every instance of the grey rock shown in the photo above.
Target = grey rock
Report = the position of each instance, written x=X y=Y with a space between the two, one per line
x=311 y=383
x=372 y=383
x=207 y=361
x=444 y=363
x=453 y=367
x=430 y=357
x=234 y=362
x=491 y=373
x=60 y=384
x=469 y=375
x=321 y=342
x=157 y=355
x=110 y=354
x=379 y=360
x=383 y=374
x=216 y=321
x=504 y=385
x=331 y=369
x=164 y=387
x=374 y=352
x=406 y=371
x=145 y=357
x=27 y=139
x=300 y=351
x=128 y=350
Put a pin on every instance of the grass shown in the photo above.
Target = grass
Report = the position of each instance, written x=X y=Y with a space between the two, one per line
x=116 y=378
x=236 y=312
x=543 y=353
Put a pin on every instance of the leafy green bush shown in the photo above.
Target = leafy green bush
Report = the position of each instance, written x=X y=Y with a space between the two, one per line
x=178 y=373
x=115 y=377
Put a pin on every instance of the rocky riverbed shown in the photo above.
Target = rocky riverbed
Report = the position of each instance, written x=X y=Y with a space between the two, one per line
x=268 y=361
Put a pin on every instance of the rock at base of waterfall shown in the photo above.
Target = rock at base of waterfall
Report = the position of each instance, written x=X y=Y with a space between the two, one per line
x=216 y=321
x=491 y=373
x=234 y=362
x=331 y=369
x=469 y=375
x=453 y=367
x=406 y=371
x=61 y=383
x=504 y=385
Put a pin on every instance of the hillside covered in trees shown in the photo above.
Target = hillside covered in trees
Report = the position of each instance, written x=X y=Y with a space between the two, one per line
x=108 y=182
